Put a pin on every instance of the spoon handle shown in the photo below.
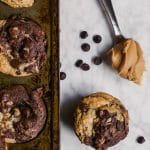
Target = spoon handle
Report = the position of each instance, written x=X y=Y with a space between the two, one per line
x=108 y=9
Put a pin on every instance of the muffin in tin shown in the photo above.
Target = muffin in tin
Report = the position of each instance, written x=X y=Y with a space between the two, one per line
x=101 y=121
x=22 y=46
x=19 y=3
x=22 y=114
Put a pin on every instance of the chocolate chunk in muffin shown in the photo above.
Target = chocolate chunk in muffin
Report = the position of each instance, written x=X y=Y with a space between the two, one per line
x=22 y=46
x=140 y=139
x=101 y=121
x=22 y=114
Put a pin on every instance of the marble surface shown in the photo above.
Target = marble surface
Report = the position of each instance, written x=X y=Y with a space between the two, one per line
x=134 y=20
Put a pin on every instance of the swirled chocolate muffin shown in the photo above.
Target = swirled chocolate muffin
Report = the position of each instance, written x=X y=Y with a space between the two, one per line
x=22 y=46
x=22 y=114
x=101 y=121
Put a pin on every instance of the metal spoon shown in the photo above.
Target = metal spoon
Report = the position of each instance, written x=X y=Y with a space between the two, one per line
x=109 y=11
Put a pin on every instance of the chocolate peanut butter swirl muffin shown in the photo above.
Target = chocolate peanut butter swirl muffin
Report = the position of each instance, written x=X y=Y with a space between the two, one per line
x=22 y=114
x=101 y=121
x=22 y=46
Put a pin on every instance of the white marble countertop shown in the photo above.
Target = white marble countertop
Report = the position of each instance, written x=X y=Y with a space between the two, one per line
x=134 y=20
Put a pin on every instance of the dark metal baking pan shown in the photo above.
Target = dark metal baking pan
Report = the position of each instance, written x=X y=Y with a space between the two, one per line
x=45 y=12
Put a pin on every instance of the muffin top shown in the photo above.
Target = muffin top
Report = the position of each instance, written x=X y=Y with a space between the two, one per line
x=22 y=46
x=101 y=121
x=22 y=114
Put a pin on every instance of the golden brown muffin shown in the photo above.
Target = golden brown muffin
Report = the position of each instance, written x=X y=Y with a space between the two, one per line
x=19 y=3
x=101 y=121
x=22 y=46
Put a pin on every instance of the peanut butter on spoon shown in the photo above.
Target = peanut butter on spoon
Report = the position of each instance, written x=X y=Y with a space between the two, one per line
x=126 y=55
x=127 y=58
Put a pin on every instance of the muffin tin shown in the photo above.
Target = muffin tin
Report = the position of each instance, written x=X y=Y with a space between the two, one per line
x=45 y=13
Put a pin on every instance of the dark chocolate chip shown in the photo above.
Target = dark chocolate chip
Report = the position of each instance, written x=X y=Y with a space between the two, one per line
x=85 y=47
x=97 y=38
x=140 y=139
x=120 y=125
x=18 y=72
x=83 y=34
x=100 y=113
x=83 y=107
x=62 y=75
x=97 y=60
x=112 y=130
x=107 y=128
x=79 y=63
x=104 y=114
x=48 y=94
x=85 y=67
x=102 y=130
x=15 y=63
x=88 y=141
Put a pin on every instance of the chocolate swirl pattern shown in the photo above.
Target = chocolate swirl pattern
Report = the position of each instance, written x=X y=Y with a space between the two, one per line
x=22 y=114
x=22 y=46
x=101 y=121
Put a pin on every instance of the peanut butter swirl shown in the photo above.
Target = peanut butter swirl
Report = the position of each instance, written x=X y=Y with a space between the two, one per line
x=127 y=58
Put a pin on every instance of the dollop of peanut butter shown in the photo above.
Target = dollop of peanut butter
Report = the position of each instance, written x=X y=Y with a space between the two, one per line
x=127 y=58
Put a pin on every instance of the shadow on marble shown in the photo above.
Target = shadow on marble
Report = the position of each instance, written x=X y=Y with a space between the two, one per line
x=110 y=28
x=67 y=110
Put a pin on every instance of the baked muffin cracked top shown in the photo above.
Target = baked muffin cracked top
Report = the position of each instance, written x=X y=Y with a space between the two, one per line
x=22 y=114
x=22 y=46
x=101 y=121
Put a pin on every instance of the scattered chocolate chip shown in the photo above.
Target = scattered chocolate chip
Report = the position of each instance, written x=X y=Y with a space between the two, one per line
x=62 y=75
x=83 y=34
x=140 y=140
x=85 y=47
x=85 y=67
x=97 y=60
x=79 y=63
x=97 y=38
